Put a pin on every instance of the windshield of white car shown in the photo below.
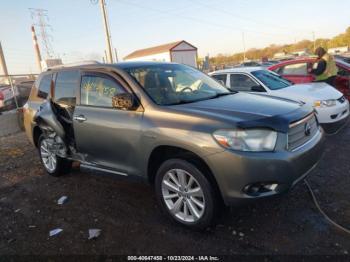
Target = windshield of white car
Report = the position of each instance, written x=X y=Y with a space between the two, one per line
x=172 y=84
x=271 y=80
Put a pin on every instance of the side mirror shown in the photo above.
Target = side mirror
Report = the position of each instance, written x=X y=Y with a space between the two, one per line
x=258 y=88
x=124 y=101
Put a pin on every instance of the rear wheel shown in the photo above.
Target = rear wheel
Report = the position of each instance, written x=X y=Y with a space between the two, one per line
x=185 y=194
x=53 y=164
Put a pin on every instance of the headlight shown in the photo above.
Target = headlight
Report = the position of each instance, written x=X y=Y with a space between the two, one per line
x=247 y=140
x=325 y=103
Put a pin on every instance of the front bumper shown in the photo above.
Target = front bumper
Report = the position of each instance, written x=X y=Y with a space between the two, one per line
x=333 y=114
x=234 y=171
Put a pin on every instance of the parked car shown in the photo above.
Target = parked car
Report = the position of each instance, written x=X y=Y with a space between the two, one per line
x=344 y=58
x=249 y=64
x=7 y=100
x=331 y=106
x=200 y=147
x=23 y=89
x=297 y=72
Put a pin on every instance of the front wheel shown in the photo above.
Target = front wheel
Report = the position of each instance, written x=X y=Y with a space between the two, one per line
x=53 y=164
x=185 y=194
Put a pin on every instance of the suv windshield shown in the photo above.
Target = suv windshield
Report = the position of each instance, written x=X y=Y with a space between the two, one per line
x=170 y=84
x=271 y=80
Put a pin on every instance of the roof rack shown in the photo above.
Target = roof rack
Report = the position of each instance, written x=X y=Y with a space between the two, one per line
x=87 y=62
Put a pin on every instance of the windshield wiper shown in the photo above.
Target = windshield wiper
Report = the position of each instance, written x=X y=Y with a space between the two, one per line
x=180 y=102
x=222 y=94
x=201 y=99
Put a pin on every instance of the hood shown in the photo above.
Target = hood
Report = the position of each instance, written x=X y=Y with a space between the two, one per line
x=248 y=110
x=309 y=92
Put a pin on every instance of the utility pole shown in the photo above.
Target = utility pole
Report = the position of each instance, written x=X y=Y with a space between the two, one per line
x=3 y=62
x=107 y=32
x=116 y=55
x=36 y=49
x=243 y=40
x=106 y=57
x=314 y=40
x=5 y=72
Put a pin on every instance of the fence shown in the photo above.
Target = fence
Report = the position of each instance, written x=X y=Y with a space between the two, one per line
x=14 y=93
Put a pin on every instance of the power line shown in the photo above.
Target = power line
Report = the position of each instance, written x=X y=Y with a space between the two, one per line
x=201 y=21
x=240 y=17
x=40 y=20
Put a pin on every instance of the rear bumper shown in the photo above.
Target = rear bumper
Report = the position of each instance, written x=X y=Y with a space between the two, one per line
x=235 y=171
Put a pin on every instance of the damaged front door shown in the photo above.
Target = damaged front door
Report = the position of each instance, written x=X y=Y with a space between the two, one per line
x=108 y=136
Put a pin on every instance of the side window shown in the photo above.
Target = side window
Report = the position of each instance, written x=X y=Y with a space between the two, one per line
x=221 y=78
x=295 y=69
x=65 y=87
x=98 y=90
x=241 y=83
x=44 y=86
x=343 y=71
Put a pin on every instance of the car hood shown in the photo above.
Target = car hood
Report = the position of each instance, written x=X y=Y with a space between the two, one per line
x=309 y=92
x=248 y=110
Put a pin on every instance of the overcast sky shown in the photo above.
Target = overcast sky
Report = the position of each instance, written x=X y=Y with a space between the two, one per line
x=212 y=26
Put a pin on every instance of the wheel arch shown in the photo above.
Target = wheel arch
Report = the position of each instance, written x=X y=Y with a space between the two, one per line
x=164 y=152
x=36 y=135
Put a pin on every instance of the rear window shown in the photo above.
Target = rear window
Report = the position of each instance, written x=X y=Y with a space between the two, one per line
x=240 y=82
x=65 y=87
x=221 y=78
x=44 y=86
x=295 y=69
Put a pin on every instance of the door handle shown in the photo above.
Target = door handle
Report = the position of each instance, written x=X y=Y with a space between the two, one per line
x=79 y=118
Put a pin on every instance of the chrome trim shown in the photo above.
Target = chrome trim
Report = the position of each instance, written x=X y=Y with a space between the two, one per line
x=307 y=142
x=302 y=120
x=103 y=170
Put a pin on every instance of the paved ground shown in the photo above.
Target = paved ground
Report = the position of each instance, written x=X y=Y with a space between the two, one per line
x=131 y=223
x=9 y=123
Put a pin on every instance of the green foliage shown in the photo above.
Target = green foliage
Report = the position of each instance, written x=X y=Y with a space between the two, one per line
x=268 y=52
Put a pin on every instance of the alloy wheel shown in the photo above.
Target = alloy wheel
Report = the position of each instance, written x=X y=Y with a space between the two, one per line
x=49 y=159
x=183 y=195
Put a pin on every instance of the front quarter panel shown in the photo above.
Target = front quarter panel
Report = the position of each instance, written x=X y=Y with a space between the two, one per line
x=186 y=132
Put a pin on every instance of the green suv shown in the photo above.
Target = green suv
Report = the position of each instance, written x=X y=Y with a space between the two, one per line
x=199 y=144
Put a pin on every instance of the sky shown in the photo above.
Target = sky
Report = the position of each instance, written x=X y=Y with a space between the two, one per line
x=213 y=26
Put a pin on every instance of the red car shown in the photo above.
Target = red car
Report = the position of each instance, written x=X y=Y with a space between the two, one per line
x=297 y=72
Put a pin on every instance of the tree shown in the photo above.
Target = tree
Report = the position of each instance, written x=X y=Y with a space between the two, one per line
x=255 y=54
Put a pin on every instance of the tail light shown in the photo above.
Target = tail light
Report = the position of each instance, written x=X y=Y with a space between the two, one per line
x=2 y=97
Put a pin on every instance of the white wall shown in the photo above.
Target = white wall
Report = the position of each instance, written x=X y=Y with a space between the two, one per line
x=162 y=57
x=185 y=57
x=183 y=46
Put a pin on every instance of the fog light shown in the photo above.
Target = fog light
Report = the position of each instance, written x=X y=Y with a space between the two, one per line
x=258 y=189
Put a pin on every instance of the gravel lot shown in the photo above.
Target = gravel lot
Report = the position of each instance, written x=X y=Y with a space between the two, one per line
x=131 y=222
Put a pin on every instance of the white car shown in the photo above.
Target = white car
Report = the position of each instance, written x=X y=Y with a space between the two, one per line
x=331 y=106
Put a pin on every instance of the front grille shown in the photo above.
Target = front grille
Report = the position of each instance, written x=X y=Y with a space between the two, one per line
x=302 y=131
x=342 y=99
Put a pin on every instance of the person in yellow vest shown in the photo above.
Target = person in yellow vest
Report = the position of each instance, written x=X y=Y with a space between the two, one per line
x=326 y=70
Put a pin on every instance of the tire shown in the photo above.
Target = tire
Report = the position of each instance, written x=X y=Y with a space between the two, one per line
x=186 y=197
x=61 y=166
